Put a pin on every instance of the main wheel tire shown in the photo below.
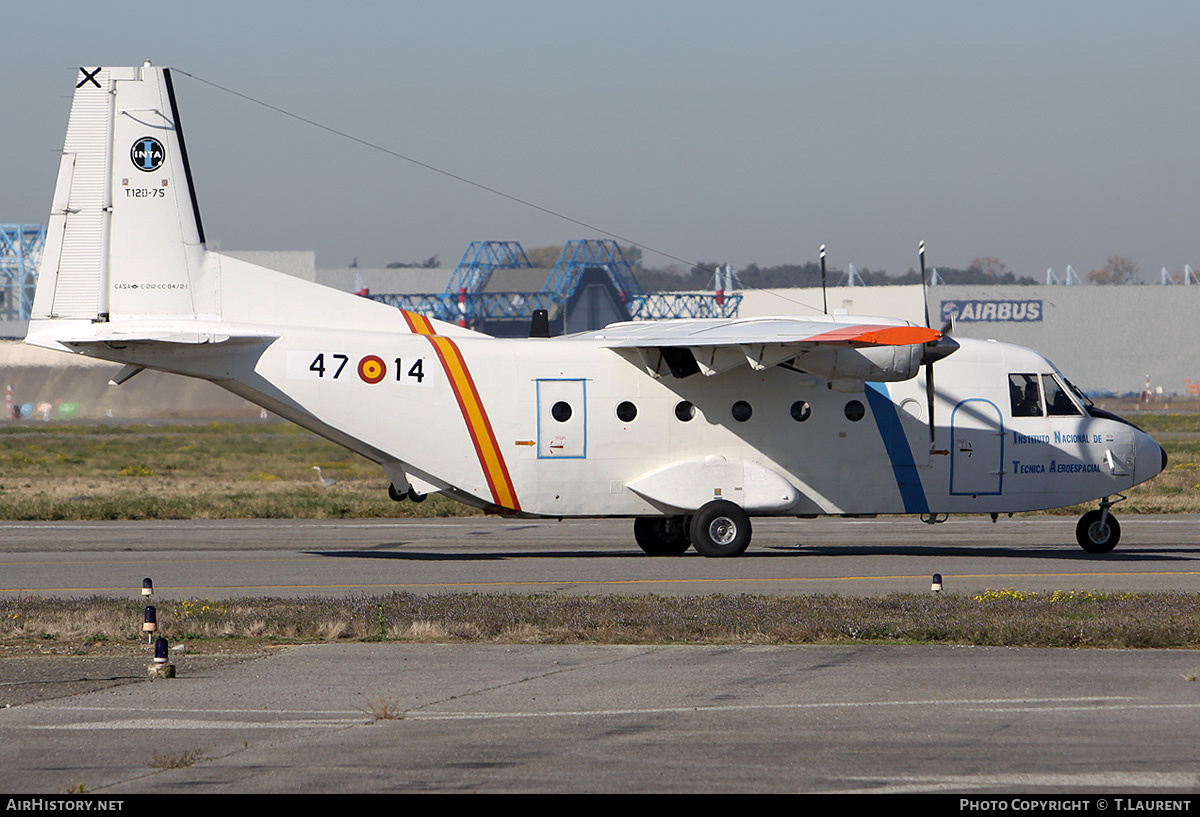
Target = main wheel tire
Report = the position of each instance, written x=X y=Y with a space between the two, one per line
x=720 y=528
x=1096 y=539
x=662 y=536
x=396 y=496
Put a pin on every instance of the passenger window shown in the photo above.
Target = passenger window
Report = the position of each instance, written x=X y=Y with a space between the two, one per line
x=1026 y=397
x=1058 y=404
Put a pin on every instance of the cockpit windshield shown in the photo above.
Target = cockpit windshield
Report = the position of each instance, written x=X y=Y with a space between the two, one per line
x=1035 y=395
x=1058 y=402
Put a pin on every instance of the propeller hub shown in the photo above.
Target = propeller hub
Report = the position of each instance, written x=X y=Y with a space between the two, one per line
x=938 y=349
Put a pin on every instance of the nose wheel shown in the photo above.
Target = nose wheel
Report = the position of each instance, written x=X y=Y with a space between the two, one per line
x=1098 y=531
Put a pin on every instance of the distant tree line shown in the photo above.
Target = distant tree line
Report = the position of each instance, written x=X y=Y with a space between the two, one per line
x=983 y=270
x=1117 y=269
x=431 y=262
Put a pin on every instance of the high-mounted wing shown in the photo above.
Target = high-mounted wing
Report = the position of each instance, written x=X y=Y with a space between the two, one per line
x=847 y=351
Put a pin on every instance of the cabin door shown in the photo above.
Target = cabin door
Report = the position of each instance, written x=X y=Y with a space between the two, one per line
x=562 y=419
x=977 y=448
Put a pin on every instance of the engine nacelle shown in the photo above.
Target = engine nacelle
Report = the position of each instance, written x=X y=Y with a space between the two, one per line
x=848 y=367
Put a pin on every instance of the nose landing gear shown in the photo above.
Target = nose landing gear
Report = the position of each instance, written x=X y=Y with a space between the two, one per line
x=1098 y=531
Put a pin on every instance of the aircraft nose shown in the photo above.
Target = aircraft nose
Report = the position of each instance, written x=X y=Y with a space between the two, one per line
x=1151 y=458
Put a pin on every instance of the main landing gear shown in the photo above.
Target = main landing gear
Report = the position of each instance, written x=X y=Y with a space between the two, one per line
x=400 y=496
x=662 y=536
x=719 y=528
x=1098 y=531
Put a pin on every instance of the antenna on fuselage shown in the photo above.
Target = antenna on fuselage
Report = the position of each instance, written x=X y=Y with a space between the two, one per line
x=824 y=296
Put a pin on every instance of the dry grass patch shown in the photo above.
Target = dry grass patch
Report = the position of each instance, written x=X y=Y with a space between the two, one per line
x=264 y=470
x=1006 y=617
x=384 y=709
x=423 y=631
x=214 y=471
x=176 y=760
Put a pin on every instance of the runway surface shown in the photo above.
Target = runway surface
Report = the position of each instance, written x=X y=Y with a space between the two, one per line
x=218 y=559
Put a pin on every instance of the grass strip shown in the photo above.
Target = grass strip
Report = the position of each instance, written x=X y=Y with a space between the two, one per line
x=1009 y=618
x=63 y=472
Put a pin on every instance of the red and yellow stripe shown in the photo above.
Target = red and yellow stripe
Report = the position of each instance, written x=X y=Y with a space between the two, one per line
x=473 y=412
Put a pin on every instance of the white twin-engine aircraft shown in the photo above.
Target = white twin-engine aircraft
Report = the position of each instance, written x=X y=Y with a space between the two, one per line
x=690 y=427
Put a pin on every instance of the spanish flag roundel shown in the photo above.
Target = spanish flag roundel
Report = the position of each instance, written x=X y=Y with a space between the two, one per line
x=372 y=369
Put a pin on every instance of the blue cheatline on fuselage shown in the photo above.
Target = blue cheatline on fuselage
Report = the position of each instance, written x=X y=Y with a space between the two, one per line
x=908 y=480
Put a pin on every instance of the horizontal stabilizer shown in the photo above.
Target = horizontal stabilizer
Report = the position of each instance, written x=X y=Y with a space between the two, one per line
x=170 y=336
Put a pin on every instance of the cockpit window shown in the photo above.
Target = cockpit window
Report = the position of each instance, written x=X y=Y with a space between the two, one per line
x=1026 y=396
x=1079 y=395
x=1058 y=402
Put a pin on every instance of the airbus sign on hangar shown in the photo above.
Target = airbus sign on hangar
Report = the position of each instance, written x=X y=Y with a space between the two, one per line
x=1106 y=339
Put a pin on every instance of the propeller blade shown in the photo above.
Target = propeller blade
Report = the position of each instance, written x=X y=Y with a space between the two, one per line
x=929 y=400
x=934 y=350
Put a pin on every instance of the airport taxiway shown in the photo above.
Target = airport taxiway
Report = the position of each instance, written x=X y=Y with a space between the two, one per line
x=226 y=558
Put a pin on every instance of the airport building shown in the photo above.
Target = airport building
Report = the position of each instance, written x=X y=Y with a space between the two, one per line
x=1105 y=339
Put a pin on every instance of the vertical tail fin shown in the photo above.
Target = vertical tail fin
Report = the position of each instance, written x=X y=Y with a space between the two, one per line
x=125 y=254
x=124 y=238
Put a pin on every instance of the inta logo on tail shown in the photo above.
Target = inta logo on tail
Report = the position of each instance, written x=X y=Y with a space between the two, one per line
x=147 y=154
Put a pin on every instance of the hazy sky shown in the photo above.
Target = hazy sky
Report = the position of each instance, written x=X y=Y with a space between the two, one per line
x=1043 y=133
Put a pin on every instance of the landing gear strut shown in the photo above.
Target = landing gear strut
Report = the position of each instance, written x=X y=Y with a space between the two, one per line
x=1098 y=531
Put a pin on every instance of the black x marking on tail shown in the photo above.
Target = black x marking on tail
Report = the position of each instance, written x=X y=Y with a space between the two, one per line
x=89 y=76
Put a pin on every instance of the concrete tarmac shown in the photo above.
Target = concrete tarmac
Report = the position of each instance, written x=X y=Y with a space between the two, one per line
x=571 y=718
x=227 y=558
x=520 y=718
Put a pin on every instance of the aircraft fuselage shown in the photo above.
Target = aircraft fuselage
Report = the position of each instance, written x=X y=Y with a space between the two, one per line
x=567 y=427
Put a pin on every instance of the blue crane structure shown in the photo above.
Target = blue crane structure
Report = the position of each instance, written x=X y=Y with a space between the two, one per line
x=466 y=302
x=20 y=253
